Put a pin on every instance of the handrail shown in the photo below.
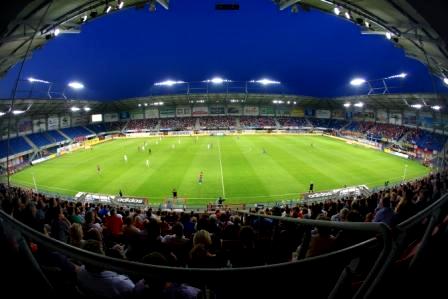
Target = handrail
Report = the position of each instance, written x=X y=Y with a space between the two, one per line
x=210 y=275
x=178 y=273
x=423 y=213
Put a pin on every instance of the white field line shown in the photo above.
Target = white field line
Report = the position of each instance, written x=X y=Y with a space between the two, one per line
x=220 y=165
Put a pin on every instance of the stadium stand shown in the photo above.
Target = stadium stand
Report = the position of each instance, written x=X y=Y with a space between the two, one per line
x=188 y=123
x=256 y=122
x=292 y=122
x=40 y=139
x=270 y=238
x=224 y=122
x=142 y=124
x=98 y=128
x=75 y=132
x=56 y=136
x=16 y=145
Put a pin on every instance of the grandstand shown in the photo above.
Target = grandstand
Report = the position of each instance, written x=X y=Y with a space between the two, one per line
x=378 y=240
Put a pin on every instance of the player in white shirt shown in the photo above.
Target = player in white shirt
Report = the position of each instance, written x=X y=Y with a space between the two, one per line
x=125 y=158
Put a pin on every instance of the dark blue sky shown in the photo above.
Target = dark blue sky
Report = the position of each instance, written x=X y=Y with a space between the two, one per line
x=312 y=53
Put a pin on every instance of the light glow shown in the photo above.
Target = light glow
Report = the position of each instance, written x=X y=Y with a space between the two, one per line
x=217 y=80
x=347 y=16
x=32 y=80
x=417 y=106
x=57 y=31
x=358 y=81
x=360 y=105
x=347 y=105
x=75 y=109
x=388 y=35
x=108 y=9
x=337 y=11
x=445 y=80
x=76 y=85
x=168 y=83
x=120 y=6
x=436 y=107
x=402 y=76
x=87 y=109
x=84 y=18
x=16 y=112
x=265 y=81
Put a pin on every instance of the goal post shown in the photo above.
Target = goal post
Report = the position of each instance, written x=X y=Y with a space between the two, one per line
x=171 y=203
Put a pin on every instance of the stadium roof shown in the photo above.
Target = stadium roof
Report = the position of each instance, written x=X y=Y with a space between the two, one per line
x=418 y=27
x=390 y=102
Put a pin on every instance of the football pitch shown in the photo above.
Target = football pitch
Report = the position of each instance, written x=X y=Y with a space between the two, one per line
x=241 y=169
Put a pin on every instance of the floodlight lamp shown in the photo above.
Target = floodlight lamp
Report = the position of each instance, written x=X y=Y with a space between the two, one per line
x=57 y=31
x=217 y=80
x=445 y=80
x=84 y=18
x=32 y=80
x=2 y=113
x=347 y=15
x=109 y=8
x=436 y=107
x=347 y=105
x=120 y=5
x=265 y=81
x=75 y=85
x=146 y=104
x=337 y=11
x=359 y=105
x=358 y=81
x=75 y=109
x=367 y=24
x=16 y=112
x=388 y=35
x=168 y=83
x=87 y=109
x=417 y=106
x=295 y=103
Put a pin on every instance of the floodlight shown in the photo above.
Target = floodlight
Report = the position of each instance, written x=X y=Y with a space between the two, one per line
x=16 y=112
x=120 y=5
x=32 y=80
x=417 y=106
x=2 y=113
x=76 y=85
x=139 y=105
x=74 y=109
x=436 y=107
x=265 y=81
x=445 y=80
x=146 y=104
x=402 y=75
x=217 y=80
x=84 y=18
x=360 y=105
x=358 y=81
x=168 y=83
x=295 y=103
x=347 y=15
x=347 y=105
x=337 y=11
x=57 y=31
x=367 y=24
x=108 y=9
x=388 y=35
x=87 y=109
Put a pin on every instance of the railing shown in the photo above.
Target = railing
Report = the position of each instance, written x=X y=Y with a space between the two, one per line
x=211 y=278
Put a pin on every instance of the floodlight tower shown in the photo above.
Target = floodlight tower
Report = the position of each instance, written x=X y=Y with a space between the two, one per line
x=383 y=89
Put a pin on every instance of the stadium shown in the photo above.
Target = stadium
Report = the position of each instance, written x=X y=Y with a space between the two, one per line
x=221 y=187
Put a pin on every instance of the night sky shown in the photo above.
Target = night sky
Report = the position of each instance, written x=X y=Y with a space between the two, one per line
x=311 y=53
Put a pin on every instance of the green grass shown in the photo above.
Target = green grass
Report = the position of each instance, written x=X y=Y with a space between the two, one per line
x=235 y=168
